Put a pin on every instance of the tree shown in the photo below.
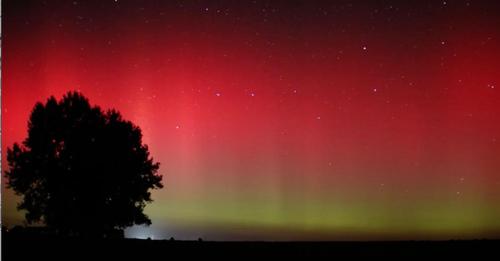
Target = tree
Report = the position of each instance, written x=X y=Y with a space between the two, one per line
x=82 y=171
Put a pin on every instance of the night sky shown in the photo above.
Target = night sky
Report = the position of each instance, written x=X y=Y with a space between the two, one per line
x=281 y=120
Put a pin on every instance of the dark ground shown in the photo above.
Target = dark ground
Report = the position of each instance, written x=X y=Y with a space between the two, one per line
x=50 y=248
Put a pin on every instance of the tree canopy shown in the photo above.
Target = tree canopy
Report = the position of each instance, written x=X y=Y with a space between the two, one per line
x=81 y=170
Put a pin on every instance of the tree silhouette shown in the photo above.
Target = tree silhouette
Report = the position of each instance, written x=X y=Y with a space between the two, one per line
x=82 y=171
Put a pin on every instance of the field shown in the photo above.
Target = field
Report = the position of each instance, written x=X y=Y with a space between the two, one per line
x=47 y=248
